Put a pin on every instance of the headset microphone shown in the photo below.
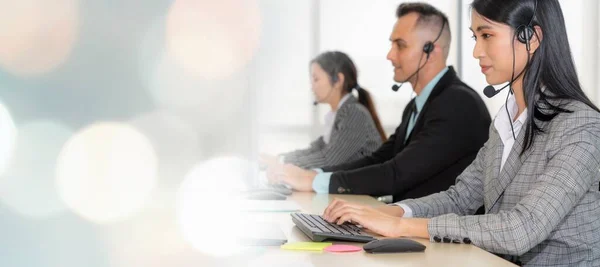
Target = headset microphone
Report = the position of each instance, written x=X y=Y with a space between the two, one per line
x=427 y=49
x=396 y=87
x=490 y=91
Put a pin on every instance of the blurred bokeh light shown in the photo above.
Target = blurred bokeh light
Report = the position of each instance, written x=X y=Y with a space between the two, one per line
x=208 y=101
x=8 y=134
x=213 y=39
x=175 y=141
x=28 y=185
x=149 y=239
x=208 y=209
x=37 y=35
x=106 y=172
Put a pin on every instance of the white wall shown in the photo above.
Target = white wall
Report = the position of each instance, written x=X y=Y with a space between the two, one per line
x=281 y=65
x=281 y=76
x=582 y=27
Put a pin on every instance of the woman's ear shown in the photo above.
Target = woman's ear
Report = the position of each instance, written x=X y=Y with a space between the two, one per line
x=536 y=39
x=340 y=80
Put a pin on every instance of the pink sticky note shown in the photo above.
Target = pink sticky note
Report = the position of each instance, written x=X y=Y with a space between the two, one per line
x=342 y=248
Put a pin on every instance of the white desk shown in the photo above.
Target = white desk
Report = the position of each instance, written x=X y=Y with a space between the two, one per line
x=436 y=254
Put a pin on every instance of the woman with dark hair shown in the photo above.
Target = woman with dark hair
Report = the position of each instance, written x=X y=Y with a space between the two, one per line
x=538 y=174
x=352 y=127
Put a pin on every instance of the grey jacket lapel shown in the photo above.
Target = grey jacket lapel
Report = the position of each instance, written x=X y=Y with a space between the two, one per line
x=513 y=164
x=494 y=156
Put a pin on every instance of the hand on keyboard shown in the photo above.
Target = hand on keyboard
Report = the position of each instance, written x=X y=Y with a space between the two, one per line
x=298 y=178
x=340 y=211
x=318 y=229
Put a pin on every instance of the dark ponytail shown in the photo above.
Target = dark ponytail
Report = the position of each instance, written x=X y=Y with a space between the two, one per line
x=334 y=62
x=366 y=100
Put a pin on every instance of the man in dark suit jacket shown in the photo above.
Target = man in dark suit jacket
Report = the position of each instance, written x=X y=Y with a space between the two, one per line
x=442 y=128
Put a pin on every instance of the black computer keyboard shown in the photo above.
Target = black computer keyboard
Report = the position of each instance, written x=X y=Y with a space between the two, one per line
x=317 y=229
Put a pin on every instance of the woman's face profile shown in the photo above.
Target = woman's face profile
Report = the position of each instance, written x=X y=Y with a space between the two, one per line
x=494 y=43
x=320 y=82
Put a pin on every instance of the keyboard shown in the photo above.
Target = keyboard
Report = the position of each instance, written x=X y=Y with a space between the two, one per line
x=280 y=188
x=317 y=229
x=268 y=192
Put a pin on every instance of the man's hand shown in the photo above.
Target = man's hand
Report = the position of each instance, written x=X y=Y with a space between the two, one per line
x=299 y=179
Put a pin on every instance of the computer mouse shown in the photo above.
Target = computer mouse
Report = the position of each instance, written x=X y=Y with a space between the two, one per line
x=393 y=246
x=265 y=195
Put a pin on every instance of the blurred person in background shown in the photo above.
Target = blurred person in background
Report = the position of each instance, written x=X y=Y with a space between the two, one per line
x=352 y=127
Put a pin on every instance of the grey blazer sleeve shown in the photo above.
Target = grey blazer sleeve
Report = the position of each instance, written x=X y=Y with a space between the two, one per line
x=561 y=178
x=354 y=132
x=294 y=156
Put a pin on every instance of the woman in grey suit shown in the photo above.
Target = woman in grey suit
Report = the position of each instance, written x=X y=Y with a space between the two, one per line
x=538 y=174
x=352 y=127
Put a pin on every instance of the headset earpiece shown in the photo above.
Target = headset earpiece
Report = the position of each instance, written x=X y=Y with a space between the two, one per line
x=524 y=36
x=525 y=32
x=428 y=48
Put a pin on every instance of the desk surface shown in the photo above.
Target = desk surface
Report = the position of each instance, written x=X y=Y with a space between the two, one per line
x=436 y=254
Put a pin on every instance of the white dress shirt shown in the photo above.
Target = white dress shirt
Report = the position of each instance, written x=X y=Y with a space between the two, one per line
x=502 y=125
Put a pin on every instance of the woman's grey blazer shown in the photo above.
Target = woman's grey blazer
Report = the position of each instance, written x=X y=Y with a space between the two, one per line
x=542 y=209
x=353 y=136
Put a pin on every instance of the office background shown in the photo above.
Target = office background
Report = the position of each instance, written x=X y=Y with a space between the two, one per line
x=362 y=30
x=119 y=119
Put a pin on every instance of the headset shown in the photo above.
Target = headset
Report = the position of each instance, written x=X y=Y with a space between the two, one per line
x=523 y=33
x=428 y=47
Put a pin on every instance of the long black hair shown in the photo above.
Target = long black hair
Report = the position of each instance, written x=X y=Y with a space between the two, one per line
x=335 y=62
x=551 y=67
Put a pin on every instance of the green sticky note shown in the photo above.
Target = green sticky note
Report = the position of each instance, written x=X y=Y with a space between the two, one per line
x=309 y=246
